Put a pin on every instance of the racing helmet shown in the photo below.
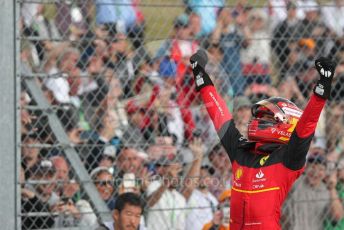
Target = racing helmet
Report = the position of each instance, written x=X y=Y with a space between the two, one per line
x=285 y=116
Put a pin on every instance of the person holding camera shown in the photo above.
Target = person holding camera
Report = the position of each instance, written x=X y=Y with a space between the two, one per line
x=221 y=217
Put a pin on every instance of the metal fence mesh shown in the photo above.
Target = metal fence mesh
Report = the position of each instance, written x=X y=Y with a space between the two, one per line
x=108 y=104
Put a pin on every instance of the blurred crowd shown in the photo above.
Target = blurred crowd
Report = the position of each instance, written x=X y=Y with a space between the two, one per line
x=133 y=116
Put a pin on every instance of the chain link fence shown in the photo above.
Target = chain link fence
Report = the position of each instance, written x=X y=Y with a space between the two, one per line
x=108 y=106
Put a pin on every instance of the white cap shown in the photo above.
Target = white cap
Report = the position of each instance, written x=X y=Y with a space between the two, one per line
x=110 y=151
x=319 y=143
x=99 y=169
x=310 y=5
x=142 y=154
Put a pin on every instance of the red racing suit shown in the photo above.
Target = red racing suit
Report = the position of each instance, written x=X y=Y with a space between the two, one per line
x=263 y=174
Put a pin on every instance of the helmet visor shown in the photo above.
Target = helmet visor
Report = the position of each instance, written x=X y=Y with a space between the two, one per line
x=266 y=107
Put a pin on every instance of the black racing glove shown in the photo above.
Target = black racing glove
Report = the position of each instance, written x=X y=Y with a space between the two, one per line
x=198 y=62
x=326 y=69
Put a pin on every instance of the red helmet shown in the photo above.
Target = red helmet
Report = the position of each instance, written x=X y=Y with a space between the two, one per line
x=286 y=115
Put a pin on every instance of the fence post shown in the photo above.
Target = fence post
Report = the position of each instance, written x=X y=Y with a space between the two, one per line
x=8 y=124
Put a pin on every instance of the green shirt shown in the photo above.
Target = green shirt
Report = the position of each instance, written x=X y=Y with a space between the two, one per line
x=332 y=225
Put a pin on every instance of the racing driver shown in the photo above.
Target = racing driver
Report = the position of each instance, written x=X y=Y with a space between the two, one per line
x=267 y=163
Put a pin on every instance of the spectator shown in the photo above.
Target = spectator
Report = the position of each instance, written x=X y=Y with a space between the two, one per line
x=93 y=88
x=161 y=147
x=338 y=89
x=115 y=14
x=120 y=60
x=30 y=12
x=202 y=203
x=43 y=170
x=30 y=154
x=27 y=58
x=106 y=134
x=259 y=90
x=66 y=213
x=180 y=52
x=130 y=167
x=288 y=89
x=283 y=34
x=113 y=99
x=311 y=197
x=167 y=71
x=137 y=123
x=317 y=148
x=128 y=160
x=104 y=181
x=207 y=10
x=195 y=21
x=66 y=85
x=199 y=200
x=109 y=157
x=242 y=113
x=335 y=147
x=35 y=23
x=331 y=224
x=167 y=206
x=334 y=127
x=219 y=160
x=330 y=14
x=337 y=49
x=26 y=118
x=312 y=26
x=231 y=33
x=136 y=31
x=204 y=126
x=71 y=19
x=221 y=217
x=215 y=68
x=121 y=16
x=31 y=202
x=126 y=215
x=256 y=57
x=302 y=69
x=278 y=11
x=167 y=119
x=65 y=187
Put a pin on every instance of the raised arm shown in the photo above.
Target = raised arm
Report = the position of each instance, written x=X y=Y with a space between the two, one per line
x=305 y=128
x=215 y=105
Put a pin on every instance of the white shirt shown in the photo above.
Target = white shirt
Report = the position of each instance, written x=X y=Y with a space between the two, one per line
x=279 y=11
x=259 y=49
x=200 y=209
x=169 y=212
x=59 y=86
x=333 y=18
x=175 y=122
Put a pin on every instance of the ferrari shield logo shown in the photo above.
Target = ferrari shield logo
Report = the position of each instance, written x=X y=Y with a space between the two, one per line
x=238 y=173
